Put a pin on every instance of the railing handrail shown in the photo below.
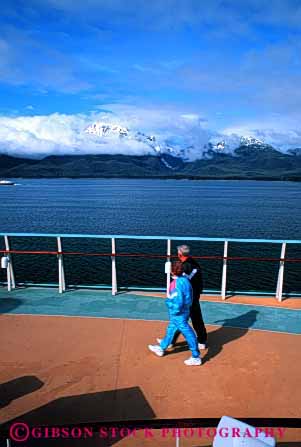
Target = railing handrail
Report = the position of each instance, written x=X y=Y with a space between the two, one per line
x=163 y=238
x=146 y=255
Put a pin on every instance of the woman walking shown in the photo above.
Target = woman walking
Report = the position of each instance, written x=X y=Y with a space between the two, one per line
x=179 y=303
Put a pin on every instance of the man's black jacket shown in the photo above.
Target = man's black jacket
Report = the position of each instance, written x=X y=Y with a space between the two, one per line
x=193 y=271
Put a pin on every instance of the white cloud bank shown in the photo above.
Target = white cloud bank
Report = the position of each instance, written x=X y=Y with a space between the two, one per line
x=39 y=136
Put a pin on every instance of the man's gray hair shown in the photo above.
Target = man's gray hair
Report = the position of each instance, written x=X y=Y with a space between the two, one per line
x=184 y=250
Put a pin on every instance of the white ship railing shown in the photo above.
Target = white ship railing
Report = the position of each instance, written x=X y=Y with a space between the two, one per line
x=7 y=257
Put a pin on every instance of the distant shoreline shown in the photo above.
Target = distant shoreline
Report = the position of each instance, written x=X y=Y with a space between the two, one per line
x=241 y=178
x=249 y=163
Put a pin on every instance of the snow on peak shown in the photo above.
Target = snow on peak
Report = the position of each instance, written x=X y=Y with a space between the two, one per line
x=101 y=129
x=105 y=130
x=220 y=146
x=247 y=141
x=177 y=147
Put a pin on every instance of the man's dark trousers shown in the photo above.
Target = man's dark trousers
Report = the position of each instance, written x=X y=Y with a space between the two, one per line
x=197 y=319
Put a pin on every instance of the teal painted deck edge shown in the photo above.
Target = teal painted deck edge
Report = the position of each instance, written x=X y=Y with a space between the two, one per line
x=174 y=238
x=88 y=303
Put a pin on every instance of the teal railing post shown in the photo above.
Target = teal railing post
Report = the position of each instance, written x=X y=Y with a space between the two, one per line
x=224 y=274
x=62 y=283
x=11 y=283
x=167 y=271
x=114 y=271
x=281 y=273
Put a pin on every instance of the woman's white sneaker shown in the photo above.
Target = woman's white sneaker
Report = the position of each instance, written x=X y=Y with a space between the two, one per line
x=156 y=349
x=193 y=361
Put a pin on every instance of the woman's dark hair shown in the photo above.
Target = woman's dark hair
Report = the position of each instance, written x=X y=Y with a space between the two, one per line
x=177 y=268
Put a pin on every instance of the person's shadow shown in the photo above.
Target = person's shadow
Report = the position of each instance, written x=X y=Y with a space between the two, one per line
x=231 y=329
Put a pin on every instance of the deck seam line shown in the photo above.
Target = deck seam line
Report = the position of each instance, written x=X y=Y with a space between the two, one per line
x=151 y=320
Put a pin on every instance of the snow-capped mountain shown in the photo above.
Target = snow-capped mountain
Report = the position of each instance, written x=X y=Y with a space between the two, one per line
x=223 y=157
x=105 y=130
x=218 y=144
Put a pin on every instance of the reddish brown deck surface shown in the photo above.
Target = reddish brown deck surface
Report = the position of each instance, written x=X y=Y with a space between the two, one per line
x=103 y=370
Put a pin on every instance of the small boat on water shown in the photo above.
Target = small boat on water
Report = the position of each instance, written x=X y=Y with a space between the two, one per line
x=7 y=183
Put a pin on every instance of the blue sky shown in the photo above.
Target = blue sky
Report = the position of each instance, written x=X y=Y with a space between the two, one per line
x=235 y=64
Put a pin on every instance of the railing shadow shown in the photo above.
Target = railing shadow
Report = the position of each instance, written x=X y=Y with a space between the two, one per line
x=9 y=304
x=123 y=404
x=289 y=444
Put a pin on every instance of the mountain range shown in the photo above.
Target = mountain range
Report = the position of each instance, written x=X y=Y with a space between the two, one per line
x=251 y=159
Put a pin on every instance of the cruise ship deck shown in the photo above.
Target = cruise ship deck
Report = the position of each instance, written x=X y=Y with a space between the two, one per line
x=82 y=357
x=79 y=355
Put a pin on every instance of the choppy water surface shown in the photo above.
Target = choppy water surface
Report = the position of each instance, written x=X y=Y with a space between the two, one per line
x=230 y=209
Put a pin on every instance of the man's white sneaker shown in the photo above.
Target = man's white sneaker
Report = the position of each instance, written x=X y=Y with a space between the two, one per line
x=159 y=341
x=156 y=349
x=202 y=345
x=193 y=361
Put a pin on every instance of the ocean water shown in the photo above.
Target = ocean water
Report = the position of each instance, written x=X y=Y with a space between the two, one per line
x=226 y=209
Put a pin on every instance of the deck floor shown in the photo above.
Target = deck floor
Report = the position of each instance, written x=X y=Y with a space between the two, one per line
x=92 y=364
